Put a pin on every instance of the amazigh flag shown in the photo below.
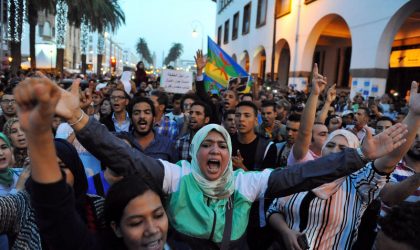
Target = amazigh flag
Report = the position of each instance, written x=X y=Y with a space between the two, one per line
x=221 y=71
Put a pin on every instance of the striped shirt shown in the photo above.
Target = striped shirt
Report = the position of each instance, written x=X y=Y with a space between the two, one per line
x=401 y=172
x=331 y=223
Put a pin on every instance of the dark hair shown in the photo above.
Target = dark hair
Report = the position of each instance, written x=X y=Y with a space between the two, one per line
x=207 y=110
x=228 y=112
x=385 y=118
x=268 y=103
x=248 y=104
x=176 y=97
x=162 y=97
x=234 y=93
x=367 y=112
x=122 y=192
x=8 y=90
x=402 y=223
x=284 y=104
x=139 y=99
x=329 y=118
x=187 y=96
x=294 y=118
x=127 y=96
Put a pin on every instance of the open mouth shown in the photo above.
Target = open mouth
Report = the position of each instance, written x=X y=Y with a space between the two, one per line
x=22 y=141
x=213 y=165
x=142 y=124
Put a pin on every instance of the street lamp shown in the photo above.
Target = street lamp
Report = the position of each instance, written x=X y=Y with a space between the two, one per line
x=195 y=33
x=10 y=59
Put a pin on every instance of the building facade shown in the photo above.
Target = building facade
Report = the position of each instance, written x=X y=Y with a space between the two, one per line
x=364 y=46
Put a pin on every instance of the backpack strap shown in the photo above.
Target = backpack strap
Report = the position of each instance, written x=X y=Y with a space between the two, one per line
x=227 y=232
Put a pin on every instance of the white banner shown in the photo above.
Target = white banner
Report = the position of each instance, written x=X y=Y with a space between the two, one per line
x=176 y=81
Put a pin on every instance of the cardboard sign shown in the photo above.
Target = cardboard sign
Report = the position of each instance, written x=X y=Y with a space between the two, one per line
x=176 y=81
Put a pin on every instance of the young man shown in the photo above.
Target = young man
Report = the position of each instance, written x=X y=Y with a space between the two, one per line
x=229 y=122
x=119 y=120
x=163 y=124
x=311 y=137
x=198 y=118
x=270 y=127
x=249 y=149
x=147 y=140
x=176 y=113
x=361 y=119
x=8 y=106
x=383 y=123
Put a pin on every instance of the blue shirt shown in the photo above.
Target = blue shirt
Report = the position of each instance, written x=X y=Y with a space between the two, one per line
x=161 y=147
x=125 y=125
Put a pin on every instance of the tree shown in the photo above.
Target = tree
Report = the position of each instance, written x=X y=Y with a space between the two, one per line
x=99 y=15
x=33 y=7
x=174 y=53
x=105 y=15
x=17 y=12
x=143 y=50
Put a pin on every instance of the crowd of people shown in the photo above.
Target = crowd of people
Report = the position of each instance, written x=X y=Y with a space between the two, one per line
x=120 y=164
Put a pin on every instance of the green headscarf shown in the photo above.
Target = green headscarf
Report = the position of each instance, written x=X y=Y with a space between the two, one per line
x=222 y=187
x=6 y=175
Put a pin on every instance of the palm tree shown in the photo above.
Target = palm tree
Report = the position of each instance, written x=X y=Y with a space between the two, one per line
x=33 y=7
x=143 y=50
x=16 y=12
x=100 y=15
x=105 y=15
x=174 y=53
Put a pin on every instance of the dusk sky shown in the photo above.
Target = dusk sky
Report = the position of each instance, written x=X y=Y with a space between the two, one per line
x=163 y=22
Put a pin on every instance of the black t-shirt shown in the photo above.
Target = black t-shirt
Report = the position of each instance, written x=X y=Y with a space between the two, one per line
x=249 y=150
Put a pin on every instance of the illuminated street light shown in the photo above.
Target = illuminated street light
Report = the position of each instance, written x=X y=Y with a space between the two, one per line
x=10 y=59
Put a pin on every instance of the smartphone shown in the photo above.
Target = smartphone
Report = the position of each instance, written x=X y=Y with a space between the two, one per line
x=303 y=242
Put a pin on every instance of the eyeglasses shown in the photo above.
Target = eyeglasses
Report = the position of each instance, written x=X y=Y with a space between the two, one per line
x=117 y=98
x=9 y=102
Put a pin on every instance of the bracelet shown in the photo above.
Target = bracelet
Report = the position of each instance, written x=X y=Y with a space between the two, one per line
x=78 y=120
x=362 y=156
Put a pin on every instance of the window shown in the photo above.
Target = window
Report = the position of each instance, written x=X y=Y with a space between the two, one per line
x=223 y=4
x=219 y=35
x=246 y=21
x=261 y=12
x=47 y=29
x=235 y=26
x=283 y=7
x=226 y=35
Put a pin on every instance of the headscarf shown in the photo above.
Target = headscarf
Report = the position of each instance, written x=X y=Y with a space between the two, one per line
x=222 y=187
x=6 y=175
x=20 y=154
x=69 y=156
x=327 y=190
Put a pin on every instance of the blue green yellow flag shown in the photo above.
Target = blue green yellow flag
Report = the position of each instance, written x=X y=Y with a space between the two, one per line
x=221 y=71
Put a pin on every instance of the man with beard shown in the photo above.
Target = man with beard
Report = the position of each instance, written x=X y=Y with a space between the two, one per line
x=145 y=138
x=8 y=106
x=119 y=120
x=199 y=117
x=271 y=127
x=404 y=184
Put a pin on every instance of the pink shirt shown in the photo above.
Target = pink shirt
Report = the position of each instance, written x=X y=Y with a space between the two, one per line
x=308 y=157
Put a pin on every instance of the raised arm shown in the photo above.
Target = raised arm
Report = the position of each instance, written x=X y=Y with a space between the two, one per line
x=311 y=174
x=331 y=95
x=303 y=139
x=52 y=198
x=96 y=138
x=387 y=163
